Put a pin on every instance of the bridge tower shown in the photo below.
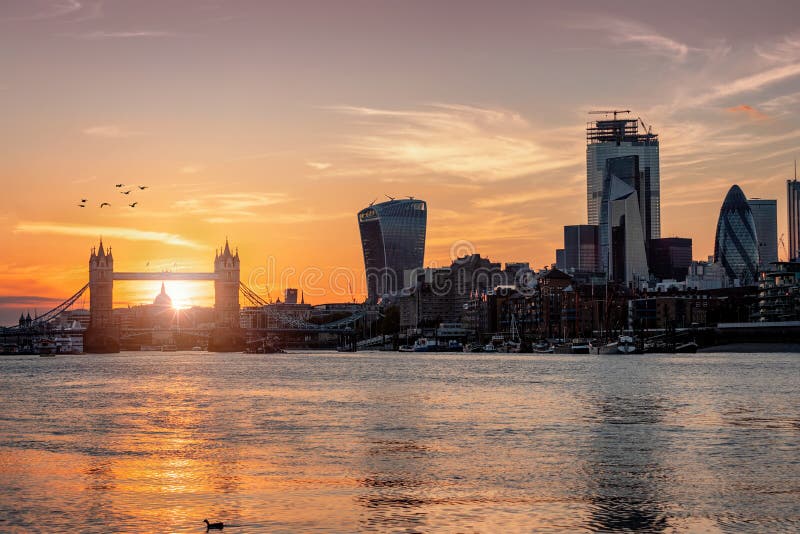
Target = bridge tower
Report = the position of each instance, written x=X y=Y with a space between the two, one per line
x=101 y=287
x=101 y=335
x=226 y=288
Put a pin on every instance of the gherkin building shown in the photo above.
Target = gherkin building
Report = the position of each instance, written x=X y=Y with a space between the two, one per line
x=736 y=243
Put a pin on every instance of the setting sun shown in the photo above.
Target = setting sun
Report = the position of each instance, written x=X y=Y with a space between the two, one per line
x=180 y=295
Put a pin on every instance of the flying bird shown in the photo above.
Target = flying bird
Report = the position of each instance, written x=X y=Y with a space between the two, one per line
x=120 y=185
x=133 y=205
x=83 y=200
x=104 y=204
x=128 y=192
x=81 y=206
x=142 y=187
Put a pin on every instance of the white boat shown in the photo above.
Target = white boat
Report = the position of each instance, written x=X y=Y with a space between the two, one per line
x=424 y=345
x=626 y=345
x=580 y=346
x=46 y=347
x=489 y=348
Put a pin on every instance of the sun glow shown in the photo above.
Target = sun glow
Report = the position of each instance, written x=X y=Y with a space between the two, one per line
x=183 y=295
x=178 y=295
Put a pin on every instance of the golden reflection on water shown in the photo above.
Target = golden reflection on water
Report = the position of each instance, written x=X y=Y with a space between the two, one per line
x=157 y=443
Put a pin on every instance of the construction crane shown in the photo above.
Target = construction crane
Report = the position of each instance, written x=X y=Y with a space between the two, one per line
x=783 y=247
x=612 y=111
x=648 y=129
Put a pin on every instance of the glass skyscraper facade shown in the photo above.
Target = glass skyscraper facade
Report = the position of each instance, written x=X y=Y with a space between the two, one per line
x=393 y=241
x=793 y=217
x=607 y=139
x=765 y=216
x=580 y=248
x=736 y=244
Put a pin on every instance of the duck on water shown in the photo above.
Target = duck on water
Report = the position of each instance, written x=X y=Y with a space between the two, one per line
x=213 y=526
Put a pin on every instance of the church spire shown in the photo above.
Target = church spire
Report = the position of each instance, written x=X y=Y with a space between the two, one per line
x=227 y=251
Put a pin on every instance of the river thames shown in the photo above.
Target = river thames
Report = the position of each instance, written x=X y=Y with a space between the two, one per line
x=390 y=442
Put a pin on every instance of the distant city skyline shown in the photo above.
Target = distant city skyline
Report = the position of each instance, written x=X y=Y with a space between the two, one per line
x=275 y=122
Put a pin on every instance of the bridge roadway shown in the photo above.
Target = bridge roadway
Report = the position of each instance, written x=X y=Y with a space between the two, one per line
x=203 y=332
x=165 y=276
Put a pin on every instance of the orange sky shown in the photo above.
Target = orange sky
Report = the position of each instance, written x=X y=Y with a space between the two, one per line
x=273 y=124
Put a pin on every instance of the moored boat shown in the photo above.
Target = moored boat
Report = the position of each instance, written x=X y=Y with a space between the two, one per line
x=424 y=345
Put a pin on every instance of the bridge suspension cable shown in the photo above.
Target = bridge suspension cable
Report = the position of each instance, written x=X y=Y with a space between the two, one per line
x=58 y=310
x=293 y=321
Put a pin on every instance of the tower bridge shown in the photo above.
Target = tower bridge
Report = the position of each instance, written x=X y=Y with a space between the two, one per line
x=103 y=334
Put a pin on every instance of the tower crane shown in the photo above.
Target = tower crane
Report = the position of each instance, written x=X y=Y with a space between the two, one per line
x=783 y=248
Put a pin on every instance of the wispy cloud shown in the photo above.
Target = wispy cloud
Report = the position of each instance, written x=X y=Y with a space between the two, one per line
x=630 y=32
x=535 y=195
x=26 y=300
x=480 y=144
x=230 y=207
x=109 y=131
x=748 y=111
x=191 y=169
x=100 y=35
x=318 y=165
x=51 y=9
x=786 y=50
x=781 y=104
x=748 y=84
x=308 y=216
x=130 y=234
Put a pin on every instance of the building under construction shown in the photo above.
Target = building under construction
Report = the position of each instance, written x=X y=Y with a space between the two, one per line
x=615 y=138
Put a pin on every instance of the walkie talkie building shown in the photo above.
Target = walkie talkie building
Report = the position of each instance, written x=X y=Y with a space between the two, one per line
x=393 y=241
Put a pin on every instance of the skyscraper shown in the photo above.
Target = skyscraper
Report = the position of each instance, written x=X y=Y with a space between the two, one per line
x=393 y=241
x=617 y=138
x=670 y=258
x=626 y=170
x=765 y=215
x=580 y=248
x=628 y=257
x=793 y=216
x=736 y=244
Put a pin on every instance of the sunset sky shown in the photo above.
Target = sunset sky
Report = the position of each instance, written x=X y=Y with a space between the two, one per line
x=274 y=123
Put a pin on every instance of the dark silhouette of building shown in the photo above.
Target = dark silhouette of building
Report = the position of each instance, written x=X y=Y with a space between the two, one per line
x=765 y=215
x=580 y=248
x=670 y=258
x=793 y=216
x=606 y=139
x=736 y=244
x=393 y=241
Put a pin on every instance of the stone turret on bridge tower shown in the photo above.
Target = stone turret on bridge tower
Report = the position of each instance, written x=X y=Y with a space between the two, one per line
x=101 y=287
x=102 y=335
x=226 y=288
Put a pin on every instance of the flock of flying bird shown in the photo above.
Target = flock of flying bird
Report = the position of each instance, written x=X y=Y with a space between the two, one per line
x=83 y=201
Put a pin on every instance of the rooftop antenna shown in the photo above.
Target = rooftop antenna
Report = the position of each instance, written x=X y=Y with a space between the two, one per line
x=387 y=196
x=373 y=201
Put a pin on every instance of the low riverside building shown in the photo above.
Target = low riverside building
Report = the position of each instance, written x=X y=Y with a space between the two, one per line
x=779 y=292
